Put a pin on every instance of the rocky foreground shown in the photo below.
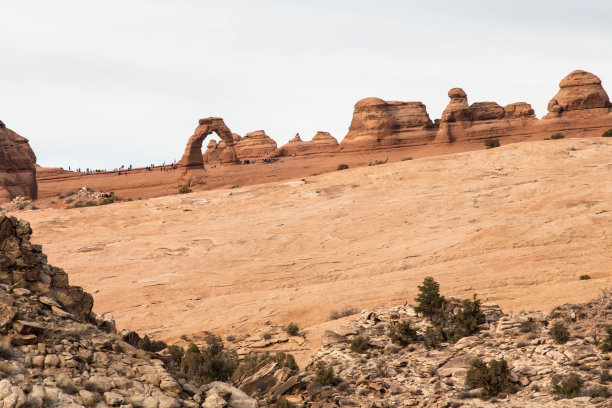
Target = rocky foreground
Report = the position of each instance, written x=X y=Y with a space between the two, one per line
x=56 y=352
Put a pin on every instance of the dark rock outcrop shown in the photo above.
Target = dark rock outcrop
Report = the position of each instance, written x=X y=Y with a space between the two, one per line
x=17 y=166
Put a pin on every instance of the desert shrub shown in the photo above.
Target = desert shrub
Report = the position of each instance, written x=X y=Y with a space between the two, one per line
x=211 y=363
x=231 y=338
x=177 y=353
x=338 y=314
x=557 y=136
x=559 y=333
x=267 y=336
x=528 y=326
x=466 y=320
x=65 y=384
x=6 y=352
x=491 y=143
x=343 y=166
x=432 y=338
x=324 y=375
x=607 y=133
x=107 y=201
x=606 y=344
x=360 y=344
x=184 y=190
x=429 y=301
x=598 y=391
x=292 y=329
x=585 y=277
x=152 y=346
x=492 y=377
x=567 y=388
x=286 y=360
x=402 y=334
x=283 y=403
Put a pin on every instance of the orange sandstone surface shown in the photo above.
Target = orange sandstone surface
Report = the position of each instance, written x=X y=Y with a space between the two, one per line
x=517 y=225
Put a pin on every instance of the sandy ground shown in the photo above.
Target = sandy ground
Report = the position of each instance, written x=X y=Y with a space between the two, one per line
x=517 y=225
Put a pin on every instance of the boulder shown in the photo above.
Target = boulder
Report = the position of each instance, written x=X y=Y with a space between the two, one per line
x=486 y=111
x=322 y=142
x=579 y=90
x=519 y=110
x=255 y=145
x=378 y=123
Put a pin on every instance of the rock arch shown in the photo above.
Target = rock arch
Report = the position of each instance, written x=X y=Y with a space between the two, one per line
x=192 y=158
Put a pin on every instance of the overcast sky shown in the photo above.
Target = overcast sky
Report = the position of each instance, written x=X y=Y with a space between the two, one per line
x=104 y=83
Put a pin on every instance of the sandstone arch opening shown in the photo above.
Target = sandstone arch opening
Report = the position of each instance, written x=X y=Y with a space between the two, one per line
x=192 y=158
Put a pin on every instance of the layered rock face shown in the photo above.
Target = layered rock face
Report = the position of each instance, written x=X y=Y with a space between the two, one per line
x=581 y=107
x=463 y=122
x=255 y=145
x=193 y=158
x=377 y=124
x=26 y=265
x=322 y=142
x=580 y=91
x=17 y=166
x=55 y=353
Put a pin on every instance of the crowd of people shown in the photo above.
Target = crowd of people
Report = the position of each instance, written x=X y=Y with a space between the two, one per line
x=124 y=170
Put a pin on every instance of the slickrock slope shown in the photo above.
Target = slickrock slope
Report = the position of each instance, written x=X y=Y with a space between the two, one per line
x=17 y=166
x=516 y=224
x=53 y=355
x=322 y=142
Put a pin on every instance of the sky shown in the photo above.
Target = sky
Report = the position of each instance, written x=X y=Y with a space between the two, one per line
x=99 y=84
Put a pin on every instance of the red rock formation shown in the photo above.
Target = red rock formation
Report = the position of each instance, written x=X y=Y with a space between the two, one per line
x=377 y=123
x=192 y=158
x=322 y=142
x=255 y=145
x=463 y=122
x=580 y=91
x=17 y=166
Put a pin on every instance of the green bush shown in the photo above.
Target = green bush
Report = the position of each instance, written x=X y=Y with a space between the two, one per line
x=360 y=344
x=606 y=344
x=466 y=320
x=607 y=133
x=343 y=166
x=528 y=326
x=429 y=301
x=177 y=353
x=402 y=334
x=324 y=375
x=557 y=136
x=292 y=329
x=184 y=190
x=491 y=143
x=585 y=277
x=285 y=360
x=568 y=388
x=152 y=346
x=211 y=363
x=347 y=311
x=559 y=333
x=493 y=377
x=432 y=338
